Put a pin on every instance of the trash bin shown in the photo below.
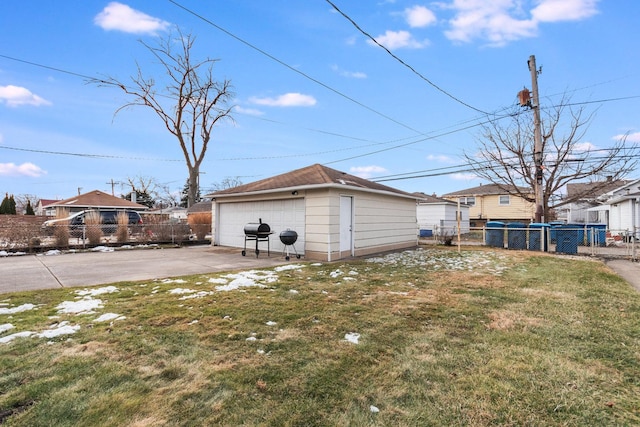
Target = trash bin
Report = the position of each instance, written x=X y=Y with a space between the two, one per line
x=596 y=234
x=538 y=232
x=567 y=239
x=516 y=235
x=552 y=233
x=580 y=230
x=495 y=234
x=426 y=233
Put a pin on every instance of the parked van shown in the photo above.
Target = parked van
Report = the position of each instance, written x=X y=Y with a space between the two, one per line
x=108 y=221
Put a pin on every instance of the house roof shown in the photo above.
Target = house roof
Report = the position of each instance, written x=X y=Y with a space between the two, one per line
x=204 y=206
x=47 y=202
x=314 y=176
x=98 y=199
x=591 y=190
x=490 y=189
x=427 y=199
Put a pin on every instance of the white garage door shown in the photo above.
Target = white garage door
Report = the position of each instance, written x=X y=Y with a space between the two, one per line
x=279 y=214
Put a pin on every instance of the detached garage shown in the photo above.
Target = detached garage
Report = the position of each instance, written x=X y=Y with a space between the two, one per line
x=336 y=215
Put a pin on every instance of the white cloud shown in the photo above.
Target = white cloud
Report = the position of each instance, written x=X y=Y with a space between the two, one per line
x=286 y=100
x=350 y=74
x=582 y=147
x=25 y=169
x=120 y=17
x=464 y=176
x=502 y=21
x=629 y=137
x=399 y=39
x=564 y=10
x=440 y=158
x=248 y=111
x=16 y=95
x=419 y=17
x=366 y=171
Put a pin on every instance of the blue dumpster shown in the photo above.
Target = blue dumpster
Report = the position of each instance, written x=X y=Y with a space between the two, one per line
x=538 y=232
x=597 y=234
x=567 y=239
x=554 y=225
x=516 y=235
x=495 y=234
x=580 y=229
x=426 y=233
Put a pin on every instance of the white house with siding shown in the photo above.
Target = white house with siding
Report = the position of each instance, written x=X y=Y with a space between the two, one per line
x=336 y=215
x=623 y=205
x=441 y=215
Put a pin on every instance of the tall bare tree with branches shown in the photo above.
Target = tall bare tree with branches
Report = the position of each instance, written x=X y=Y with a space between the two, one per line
x=190 y=104
x=506 y=146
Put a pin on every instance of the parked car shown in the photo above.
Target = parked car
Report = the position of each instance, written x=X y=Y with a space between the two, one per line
x=77 y=221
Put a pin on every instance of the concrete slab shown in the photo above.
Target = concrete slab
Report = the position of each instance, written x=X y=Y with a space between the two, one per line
x=36 y=272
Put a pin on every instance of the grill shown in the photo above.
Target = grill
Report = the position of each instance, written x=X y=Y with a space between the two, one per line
x=258 y=232
x=288 y=238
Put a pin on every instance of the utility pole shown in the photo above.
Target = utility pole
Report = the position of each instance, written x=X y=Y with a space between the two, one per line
x=537 y=140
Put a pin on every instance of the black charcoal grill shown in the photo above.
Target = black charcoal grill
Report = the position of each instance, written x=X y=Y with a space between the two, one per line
x=258 y=232
x=288 y=238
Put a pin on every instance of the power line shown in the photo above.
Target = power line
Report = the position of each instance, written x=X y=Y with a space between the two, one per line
x=458 y=100
x=305 y=75
x=86 y=155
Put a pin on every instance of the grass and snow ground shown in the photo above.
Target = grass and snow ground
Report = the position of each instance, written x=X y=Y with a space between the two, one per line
x=86 y=303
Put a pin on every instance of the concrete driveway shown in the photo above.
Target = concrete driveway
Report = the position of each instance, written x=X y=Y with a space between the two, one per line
x=36 y=272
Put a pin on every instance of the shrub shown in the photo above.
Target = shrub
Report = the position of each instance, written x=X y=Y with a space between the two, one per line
x=61 y=230
x=122 y=232
x=93 y=227
x=200 y=223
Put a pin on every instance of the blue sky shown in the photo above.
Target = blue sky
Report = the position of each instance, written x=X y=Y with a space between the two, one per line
x=309 y=86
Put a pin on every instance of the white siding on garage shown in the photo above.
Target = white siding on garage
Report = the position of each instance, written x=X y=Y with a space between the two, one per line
x=278 y=214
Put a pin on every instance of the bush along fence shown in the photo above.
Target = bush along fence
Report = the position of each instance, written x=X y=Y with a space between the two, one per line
x=25 y=233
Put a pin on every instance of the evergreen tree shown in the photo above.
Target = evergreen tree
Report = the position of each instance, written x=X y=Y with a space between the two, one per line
x=29 y=209
x=12 y=205
x=4 y=206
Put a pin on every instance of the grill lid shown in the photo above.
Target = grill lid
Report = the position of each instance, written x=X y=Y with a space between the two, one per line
x=259 y=229
x=288 y=237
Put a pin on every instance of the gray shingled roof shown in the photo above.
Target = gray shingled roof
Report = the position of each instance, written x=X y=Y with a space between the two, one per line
x=315 y=175
x=489 y=189
x=585 y=190
x=97 y=199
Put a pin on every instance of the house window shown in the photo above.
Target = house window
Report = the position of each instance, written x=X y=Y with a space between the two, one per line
x=504 y=200
x=471 y=201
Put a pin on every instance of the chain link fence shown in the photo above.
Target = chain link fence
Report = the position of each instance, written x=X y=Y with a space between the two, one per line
x=25 y=233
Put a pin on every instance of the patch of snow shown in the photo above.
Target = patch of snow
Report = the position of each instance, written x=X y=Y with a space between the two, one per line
x=293 y=291
x=180 y=291
x=352 y=337
x=109 y=316
x=374 y=409
x=4 y=253
x=63 y=328
x=218 y=280
x=271 y=323
x=252 y=339
x=102 y=249
x=335 y=273
x=84 y=306
x=289 y=267
x=99 y=291
x=6 y=327
x=18 y=309
x=200 y=294
x=52 y=252
x=12 y=337
x=245 y=279
x=174 y=281
x=193 y=322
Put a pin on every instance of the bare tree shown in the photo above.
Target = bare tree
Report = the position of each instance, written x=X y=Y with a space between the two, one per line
x=198 y=101
x=505 y=155
x=228 y=182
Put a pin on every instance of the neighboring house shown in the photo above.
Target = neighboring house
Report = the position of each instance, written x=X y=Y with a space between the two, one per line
x=623 y=204
x=335 y=215
x=588 y=207
x=95 y=199
x=43 y=207
x=440 y=215
x=492 y=202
